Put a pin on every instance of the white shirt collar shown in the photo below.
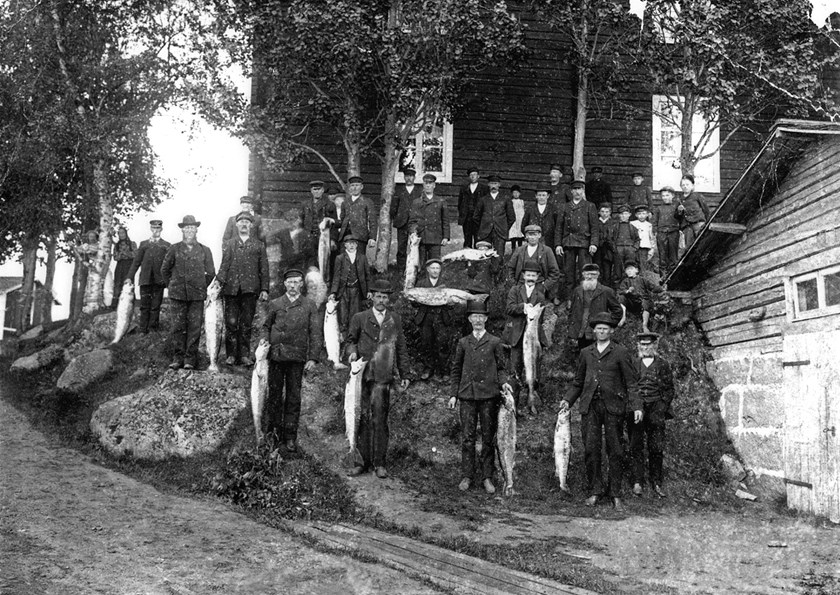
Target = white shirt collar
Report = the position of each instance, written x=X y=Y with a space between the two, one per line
x=479 y=334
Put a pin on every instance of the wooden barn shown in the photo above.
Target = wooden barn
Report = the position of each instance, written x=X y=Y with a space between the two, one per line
x=10 y=288
x=765 y=278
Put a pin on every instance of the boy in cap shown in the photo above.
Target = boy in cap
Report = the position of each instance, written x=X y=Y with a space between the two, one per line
x=605 y=254
x=360 y=217
x=625 y=241
x=468 y=197
x=246 y=203
x=243 y=276
x=376 y=336
x=576 y=235
x=535 y=251
x=636 y=292
x=515 y=232
x=606 y=383
x=293 y=328
x=400 y=210
x=656 y=391
x=479 y=271
x=429 y=219
x=432 y=322
x=666 y=228
x=493 y=217
x=647 y=241
x=693 y=211
x=350 y=282
x=478 y=378
x=597 y=190
x=639 y=195
x=148 y=259
x=544 y=213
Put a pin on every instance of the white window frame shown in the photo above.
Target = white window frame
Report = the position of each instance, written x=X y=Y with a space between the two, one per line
x=443 y=177
x=792 y=295
x=665 y=159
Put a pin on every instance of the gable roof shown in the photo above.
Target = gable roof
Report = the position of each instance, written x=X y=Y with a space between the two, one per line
x=787 y=140
x=10 y=284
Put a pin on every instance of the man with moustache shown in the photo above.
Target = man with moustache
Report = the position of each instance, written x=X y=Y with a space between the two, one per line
x=468 y=197
x=577 y=234
x=401 y=203
x=559 y=191
x=360 y=217
x=429 y=219
x=493 y=217
x=432 y=322
x=148 y=259
x=246 y=203
x=589 y=299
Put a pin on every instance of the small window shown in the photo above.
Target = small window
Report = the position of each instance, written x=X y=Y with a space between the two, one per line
x=431 y=153
x=832 y=289
x=815 y=294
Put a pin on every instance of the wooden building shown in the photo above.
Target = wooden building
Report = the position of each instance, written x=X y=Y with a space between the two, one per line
x=10 y=288
x=765 y=277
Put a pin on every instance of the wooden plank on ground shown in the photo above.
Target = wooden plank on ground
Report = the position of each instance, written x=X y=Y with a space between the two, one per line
x=448 y=569
x=734 y=228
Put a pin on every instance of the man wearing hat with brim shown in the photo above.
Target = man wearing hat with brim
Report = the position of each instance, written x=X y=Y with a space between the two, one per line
x=534 y=250
x=350 y=282
x=656 y=391
x=559 y=192
x=293 y=328
x=543 y=212
x=361 y=216
x=606 y=383
x=187 y=270
x=493 y=217
x=478 y=378
x=433 y=322
x=589 y=299
x=316 y=207
x=597 y=190
x=376 y=336
x=148 y=259
x=429 y=219
x=243 y=276
x=401 y=203
x=246 y=203
x=576 y=235
x=468 y=197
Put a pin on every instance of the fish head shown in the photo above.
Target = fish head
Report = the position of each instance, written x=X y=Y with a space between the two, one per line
x=262 y=350
x=357 y=366
x=214 y=289
x=414 y=239
x=325 y=223
x=534 y=311
x=508 y=401
x=332 y=305
x=128 y=286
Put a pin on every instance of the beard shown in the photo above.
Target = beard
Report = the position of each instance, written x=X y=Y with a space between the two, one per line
x=589 y=284
x=647 y=351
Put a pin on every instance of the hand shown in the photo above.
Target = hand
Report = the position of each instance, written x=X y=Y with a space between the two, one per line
x=637 y=417
x=564 y=405
x=680 y=208
x=263 y=296
x=369 y=295
x=506 y=387
x=308 y=366
x=593 y=249
x=452 y=401
x=331 y=297
x=371 y=243
x=404 y=383
x=333 y=247
x=353 y=357
x=444 y=242
x=559 y=250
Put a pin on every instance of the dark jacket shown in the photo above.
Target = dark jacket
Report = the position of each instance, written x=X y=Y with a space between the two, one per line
x=342 y=270
x=598 y=191
x=478 y=370
x=665 y=218
x=363 y=339
x=149 y=258
x=493 y=215
x=696 y=209
x=641 y=286
x=544 y=257
x=515 y=311
x=424 y=311
x=231 y=231
x=606 y=235
x=312 y=213
x=559 y=194
x=624 y=234
x=577 y=225
x=547 y=220
x=656 y=382
x=430 y=218
x=603 y=300
x=188 y=272
x=244 y=267
x=612 y=373
x=293 y=329
x=401 y=204
x=467 y=200
x=360 y=219
x=640 y=195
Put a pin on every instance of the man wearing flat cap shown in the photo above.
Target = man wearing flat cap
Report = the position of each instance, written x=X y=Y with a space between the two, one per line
x=404 y=197
x=656 y=390
x=433 y=322
x=376 y=336
x=187 y=269
x=316 y=207
x=493 y=217
x=468 y=197
x=534 y=250
x=606 y=383
x=597 y=190
x=559 y=191
x=243 y=276
x=293 y=329
x=576 y=236
x=360 y=217
x=543 y=212
x=429 y=219
x=246 y=203
x=148 y=259
x=589 y=299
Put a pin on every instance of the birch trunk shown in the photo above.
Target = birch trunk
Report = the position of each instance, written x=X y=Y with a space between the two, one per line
x=77 y=291
x=390 y=165
x=28 y=260
x=49 y=276
x=94 y=291
x=578 y=168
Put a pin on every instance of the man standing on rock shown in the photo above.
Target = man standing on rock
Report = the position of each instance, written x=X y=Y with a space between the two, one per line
x=430 y=220
x=589 y=299
x=148 y=259
x=243 y=274
x=187 y=269
x=400 y=210
x=246 y=203
x=294 y=331
x=361 y=217
x=376 y=336
x=577 y=234
x=468 y=197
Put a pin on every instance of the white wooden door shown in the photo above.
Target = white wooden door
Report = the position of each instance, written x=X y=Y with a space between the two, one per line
x=812 y=422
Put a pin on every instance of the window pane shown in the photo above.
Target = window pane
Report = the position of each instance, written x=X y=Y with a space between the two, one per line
x=806 y=292
x=832 y=289
x=433 y=149
x=408 y=158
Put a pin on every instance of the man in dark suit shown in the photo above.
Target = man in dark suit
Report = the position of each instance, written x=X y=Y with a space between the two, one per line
x=401 y=203
x=361 y=217
x=376 y=335
x=467 y=199
x=543 y=213
x=493 y=217
x=535 y=251
x=430 y=220
x=559 y=191
x=246 y=203
x=148 y=258
x=597 y=190
x=432 y=322
x=313 y=212
x=243 y=275
x=350 y=282
x=606 y=382
x=478 y=377
x=591 y=298
x=576 y=235
x=338 y=212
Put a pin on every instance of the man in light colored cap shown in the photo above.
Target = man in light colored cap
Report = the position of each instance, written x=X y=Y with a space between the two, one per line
x=535 y=250
x=433 y=322
x=148 y=259
x=361 y=216
x=401 y=203
x=246 y=203
x=429 y=219
x=187 y=269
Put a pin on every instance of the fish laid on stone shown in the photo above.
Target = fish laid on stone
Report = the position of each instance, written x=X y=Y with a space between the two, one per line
x=562 y=447
x=506 y=439
x=316 y=288
x=442 y=296
x=324 y=246
x=531 y=352
x=332 y=336
x=412 y=261
x=469 y=254
x=259 y=386
x=353 y=411
x=214 y=323
x=125 y=311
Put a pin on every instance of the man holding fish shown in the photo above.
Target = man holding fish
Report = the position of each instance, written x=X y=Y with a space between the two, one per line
x=432 y=320
x=400 y=210
x=314 y=211
x=429 y=220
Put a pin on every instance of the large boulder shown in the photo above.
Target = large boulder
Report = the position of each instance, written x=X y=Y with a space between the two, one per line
x=184 y=413
x=84 y=370
x=39 y=360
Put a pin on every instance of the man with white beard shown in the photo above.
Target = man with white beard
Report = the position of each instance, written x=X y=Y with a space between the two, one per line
x=588 y=299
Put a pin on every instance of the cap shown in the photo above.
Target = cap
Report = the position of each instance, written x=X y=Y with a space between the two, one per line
x=557 y=167
x=349 y=238
x=688 y=177
x=602 y=318
x=316 y=184
x=355 y=180
x=667 y=189
x=531 y=265
x=493 y=178
x=156 y=223
x=578 y=184
x=638 y=208
x=245 y=215
x=189 y=220
x=381 y=286
x=623 y=208
x=429 y=178
x=631 y=263
x=246 y=198
x=544 y=187
x=597 y=170
x=292 y=273
x=476 y=307
x=483 y=244
x=638 y=174
x=472 y=169
x=605 y=205
x=433 y=261
x=516 y=188
x=533 y=227
x=591 y=268
x=647 y=338
x=409 y=171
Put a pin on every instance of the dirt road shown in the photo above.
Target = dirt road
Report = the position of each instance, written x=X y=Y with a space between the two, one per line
x=68 y=526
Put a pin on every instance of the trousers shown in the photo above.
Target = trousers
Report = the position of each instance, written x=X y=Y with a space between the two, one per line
x=187 y=318
x=151 y=297
x=239 y=318
x=595 y=423
x=652 y=429
x=373 y=423
x=283 y=402
x=472 y=413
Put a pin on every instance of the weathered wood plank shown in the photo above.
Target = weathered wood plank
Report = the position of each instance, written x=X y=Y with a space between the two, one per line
x=772 y=300
x=733 y=228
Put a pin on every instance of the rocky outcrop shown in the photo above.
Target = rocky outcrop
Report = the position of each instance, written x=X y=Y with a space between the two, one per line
x=184 y=413
x=84 y=370
x=39 y=360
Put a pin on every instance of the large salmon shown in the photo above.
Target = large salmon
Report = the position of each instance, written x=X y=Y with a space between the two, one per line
x=214 y=323
x=353 y=411
x=442 y=296
x=324 y=247
x=412 y=261
x=562 y=447
x=469 y=254
x=506 y=439
x=259 y=386
x=332 y=337
x=316 y=289
x=125 y=311
x=531 y=351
